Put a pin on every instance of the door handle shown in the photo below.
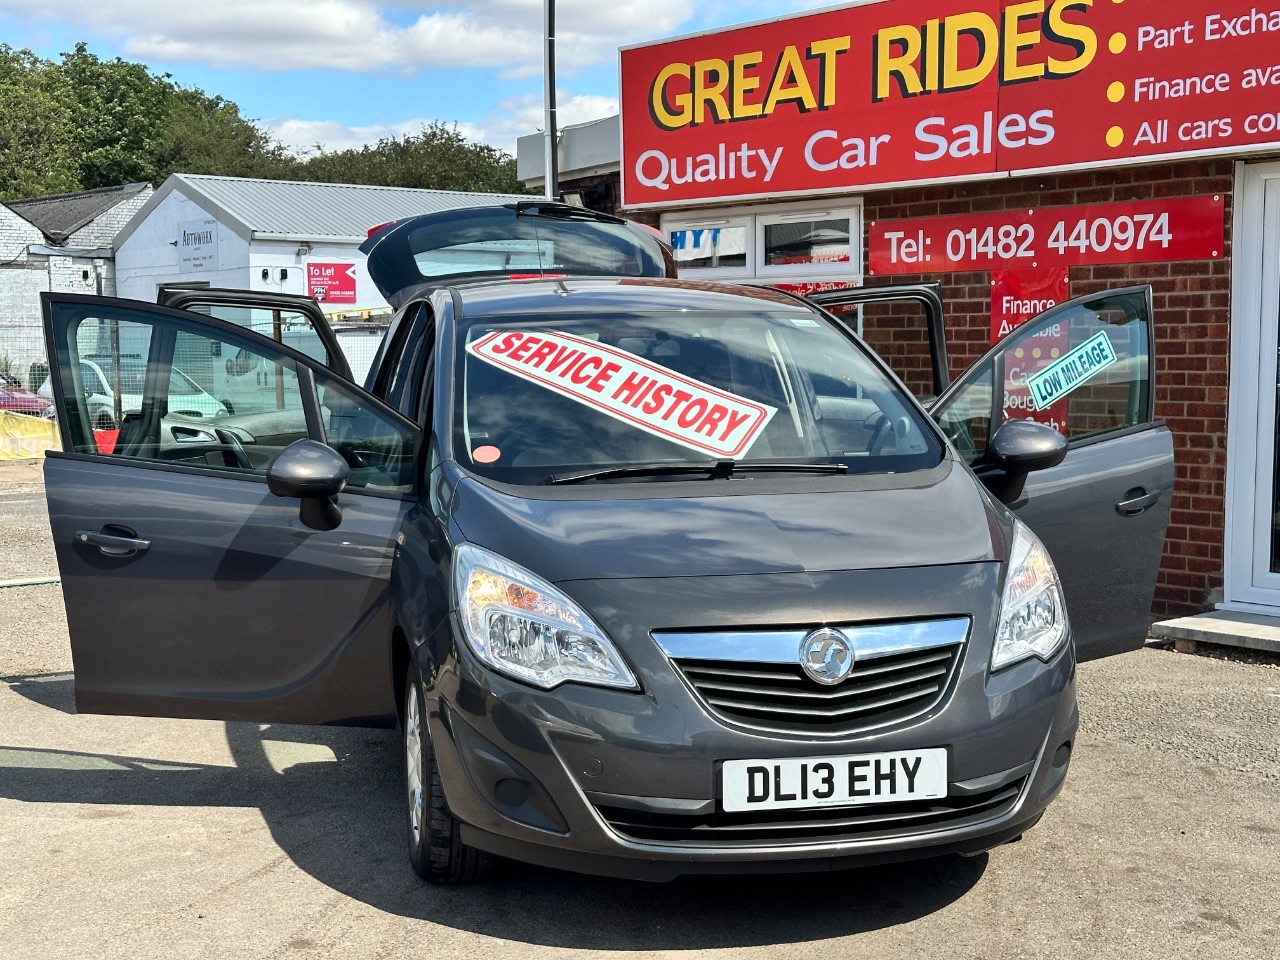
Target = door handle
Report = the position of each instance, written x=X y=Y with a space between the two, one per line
x=113 y=544
x=1136 y=501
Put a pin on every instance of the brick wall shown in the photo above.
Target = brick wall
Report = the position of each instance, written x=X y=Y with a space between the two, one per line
x=101 y=231
x=1192 y=318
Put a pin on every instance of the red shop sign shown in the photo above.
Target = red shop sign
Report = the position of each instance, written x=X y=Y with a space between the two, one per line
x=1142 y=231
x=912 y=91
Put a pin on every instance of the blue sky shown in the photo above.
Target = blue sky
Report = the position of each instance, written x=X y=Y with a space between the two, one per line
x=342 y=72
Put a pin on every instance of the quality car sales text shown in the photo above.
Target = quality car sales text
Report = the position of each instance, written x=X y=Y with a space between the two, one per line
x=1034 y=40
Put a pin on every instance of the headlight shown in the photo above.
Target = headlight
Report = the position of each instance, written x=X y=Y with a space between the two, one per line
x=1033 y=617
x=522 y=626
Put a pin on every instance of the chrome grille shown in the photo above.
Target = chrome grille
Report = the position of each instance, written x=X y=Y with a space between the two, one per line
x=779 y=696
x=814 y=826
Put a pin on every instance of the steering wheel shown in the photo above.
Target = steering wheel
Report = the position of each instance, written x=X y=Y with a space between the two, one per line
x=233 y=454
x=883 y=428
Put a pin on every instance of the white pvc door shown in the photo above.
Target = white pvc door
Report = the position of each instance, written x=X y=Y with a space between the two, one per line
x=1253 y=501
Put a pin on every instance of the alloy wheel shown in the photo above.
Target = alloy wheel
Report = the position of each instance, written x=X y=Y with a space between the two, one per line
x=413 y=762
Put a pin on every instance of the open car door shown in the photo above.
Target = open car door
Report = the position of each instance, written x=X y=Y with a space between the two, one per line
x=1086 y=368
x=903 y=323
x=290 y=319
x=191 y=589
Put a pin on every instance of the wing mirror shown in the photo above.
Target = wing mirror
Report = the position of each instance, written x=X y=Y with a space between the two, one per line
x=1021 y=447
x=315 y=474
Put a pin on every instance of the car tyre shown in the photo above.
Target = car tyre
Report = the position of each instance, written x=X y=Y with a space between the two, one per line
x=436 y=850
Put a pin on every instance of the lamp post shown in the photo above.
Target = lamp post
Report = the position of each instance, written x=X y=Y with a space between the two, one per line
x=551 y=175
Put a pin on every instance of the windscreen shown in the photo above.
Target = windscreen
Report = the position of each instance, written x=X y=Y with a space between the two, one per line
x=537 y=399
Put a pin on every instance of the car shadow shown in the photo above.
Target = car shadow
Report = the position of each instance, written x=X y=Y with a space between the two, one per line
x=331 y=799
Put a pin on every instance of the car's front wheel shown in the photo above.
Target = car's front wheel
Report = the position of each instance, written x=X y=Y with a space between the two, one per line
x=436 y=850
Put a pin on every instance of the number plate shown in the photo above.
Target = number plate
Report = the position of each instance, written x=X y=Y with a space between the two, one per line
x=834 y=781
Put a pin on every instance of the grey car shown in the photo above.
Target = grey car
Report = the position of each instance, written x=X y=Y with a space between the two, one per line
x=655 y=577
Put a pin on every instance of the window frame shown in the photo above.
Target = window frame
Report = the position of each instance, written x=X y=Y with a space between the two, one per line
x=805 y=271
x=64 y=312
x=745 y=272
x=1148 y=419
x=756 y=218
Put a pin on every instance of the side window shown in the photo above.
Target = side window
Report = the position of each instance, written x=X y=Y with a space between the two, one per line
x=1083 y=369
x=149 y=391
x=289 y=327
x=898 y=330
x=137 y=386
x=245 y=380
x=967 y=419
x=376 y=445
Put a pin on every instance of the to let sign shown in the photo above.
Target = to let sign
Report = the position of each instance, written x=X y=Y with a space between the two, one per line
x=1143 y=231
x=909 y=91
x=332 y=282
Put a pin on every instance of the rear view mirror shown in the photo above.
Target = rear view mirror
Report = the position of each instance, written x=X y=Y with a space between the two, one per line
x=315 y=474
x=1021 y=447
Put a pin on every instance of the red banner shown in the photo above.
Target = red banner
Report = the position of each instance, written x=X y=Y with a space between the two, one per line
x=1016 y=297
x=332 y=282
x=1019 y=295
x=904 y=91
x=1144 y=231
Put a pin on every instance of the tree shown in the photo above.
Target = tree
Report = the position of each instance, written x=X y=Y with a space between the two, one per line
x=120 y=113
x=37 y=145
x=206 y=134
x=87 y=122
x=438 y=158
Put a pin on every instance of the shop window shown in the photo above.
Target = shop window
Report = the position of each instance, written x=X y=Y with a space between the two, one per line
x=785 y=242
x=818 y=243
x=713 y=248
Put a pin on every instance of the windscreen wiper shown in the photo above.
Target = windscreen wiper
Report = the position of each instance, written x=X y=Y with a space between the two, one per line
x=710 y=469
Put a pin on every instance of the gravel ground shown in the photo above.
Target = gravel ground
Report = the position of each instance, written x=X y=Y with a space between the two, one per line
x=139 y=838
x=25 y=549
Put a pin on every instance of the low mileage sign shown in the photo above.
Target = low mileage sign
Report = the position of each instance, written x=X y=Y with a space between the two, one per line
x=1140 y=231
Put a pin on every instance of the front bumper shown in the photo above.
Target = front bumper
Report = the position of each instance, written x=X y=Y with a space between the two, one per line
x=600 y=781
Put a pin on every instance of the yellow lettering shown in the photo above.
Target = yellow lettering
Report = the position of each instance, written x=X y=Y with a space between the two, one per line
x=892 y=65
x=932 y=54
x=790 y=82
x=1016 y=40
x=1075 y=35
x=743 y=84
x=670 y=113
x=828 y=50
x=708 y=91
x=982 y=29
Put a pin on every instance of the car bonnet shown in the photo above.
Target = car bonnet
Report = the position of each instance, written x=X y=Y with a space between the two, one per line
x=944 y=520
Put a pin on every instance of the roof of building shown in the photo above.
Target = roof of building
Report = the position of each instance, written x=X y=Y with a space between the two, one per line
x=59 y=216
x=297 y=210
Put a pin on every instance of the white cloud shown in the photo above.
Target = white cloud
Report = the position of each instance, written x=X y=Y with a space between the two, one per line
x=302 y=136
x=510 y=119
x=363 y=35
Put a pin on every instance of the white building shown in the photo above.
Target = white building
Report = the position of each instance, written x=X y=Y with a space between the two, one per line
x=268 y=235
x=60 y=244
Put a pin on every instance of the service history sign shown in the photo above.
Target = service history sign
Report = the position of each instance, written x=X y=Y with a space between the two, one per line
x=907 y=91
